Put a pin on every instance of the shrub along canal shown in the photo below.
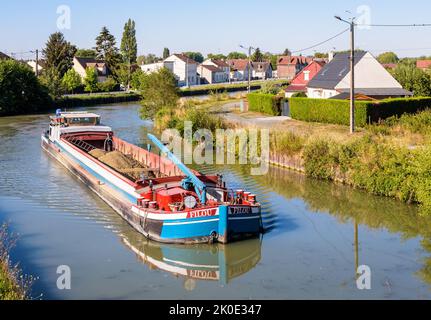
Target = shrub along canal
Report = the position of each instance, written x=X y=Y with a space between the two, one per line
x=318 y=233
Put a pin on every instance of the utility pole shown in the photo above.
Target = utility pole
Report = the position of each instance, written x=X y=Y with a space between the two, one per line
x=187 y=72
x=352 y=71
x=37 y=62
x=249 y=66
x=352 y=77
x=249 y=70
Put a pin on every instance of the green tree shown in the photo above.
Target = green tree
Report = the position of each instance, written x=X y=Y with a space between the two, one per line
x=196 y=56
x=90 y=80
x=287 y=52
x=58 y=54
x=159 y=90
x=123 y=74
x=257 y=56
x=388 y=57
x=108 y=85
x=129 y=46
x=146 y=59
x=71 y=80
x=106 y=50
x=236 y=55
x=20 y=90
x=86 y=53
x=216 y=56
x=321 y=55
x=413 y=79
x=52 y=81
x=166 y=53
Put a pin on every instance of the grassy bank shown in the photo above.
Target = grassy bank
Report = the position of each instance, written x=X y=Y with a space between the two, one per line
x=13 y=286
x=389 y=159
x=194 y=110
x=95 y=99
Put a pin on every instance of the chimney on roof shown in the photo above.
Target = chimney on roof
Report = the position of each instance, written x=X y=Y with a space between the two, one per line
x=331 y=55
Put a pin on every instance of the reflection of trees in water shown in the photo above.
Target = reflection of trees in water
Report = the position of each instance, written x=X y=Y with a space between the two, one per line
x=350 y=205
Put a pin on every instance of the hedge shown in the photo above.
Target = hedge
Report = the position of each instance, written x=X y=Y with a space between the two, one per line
x=396 y=107
x=265 y=103
x=328 y=111
x=93 y=99
x=338 y=111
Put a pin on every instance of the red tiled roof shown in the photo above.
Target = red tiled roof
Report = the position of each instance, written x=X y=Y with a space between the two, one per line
x=296 y=88
x=423 y=64
x=286 y=60
x=212 y=68
x=389 y=65
x=299 y=82
x=220 y=63
x=238 y=64
x=184 y=58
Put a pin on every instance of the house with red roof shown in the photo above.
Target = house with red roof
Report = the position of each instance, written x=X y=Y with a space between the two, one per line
x=211 y=74
x=240 y=69
x=289 y=66
x=301 y=80
x=81 y=64
x=423 y=65
x=221 y=65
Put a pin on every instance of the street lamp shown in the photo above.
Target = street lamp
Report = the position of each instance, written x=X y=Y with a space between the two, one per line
x=249 y=65
x=352 y=24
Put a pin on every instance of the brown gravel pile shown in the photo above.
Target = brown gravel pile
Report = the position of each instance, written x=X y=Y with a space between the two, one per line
x=122 y=163
x=97 y=153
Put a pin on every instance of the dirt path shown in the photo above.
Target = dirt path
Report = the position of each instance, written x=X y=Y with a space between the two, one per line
x=230 y=112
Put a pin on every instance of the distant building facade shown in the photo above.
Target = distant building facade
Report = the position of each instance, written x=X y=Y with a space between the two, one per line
x=80 y=65
x=289 y=66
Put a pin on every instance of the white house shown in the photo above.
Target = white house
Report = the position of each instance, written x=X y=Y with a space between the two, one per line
x=183 y=65
x=211 y=74
x=40 y=65
x=261 y=70
x=81 y=64
x=371 y=79
x=240 y=69
x=152 y=67
x=219 y=64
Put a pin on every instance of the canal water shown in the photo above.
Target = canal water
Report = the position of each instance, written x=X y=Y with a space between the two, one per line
x=317 y=234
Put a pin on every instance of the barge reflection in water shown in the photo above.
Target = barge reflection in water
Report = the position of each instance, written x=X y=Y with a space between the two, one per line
x=214 y=262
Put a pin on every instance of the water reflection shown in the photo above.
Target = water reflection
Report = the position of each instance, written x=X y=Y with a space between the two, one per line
x=356 y=207
x=212 y=262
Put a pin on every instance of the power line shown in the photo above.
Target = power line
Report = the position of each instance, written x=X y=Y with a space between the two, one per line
x=323 y=42
x=395 y=25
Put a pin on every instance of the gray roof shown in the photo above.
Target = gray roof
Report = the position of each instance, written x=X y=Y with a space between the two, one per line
x=261 y=66
x=333 y=72
x=374 y=92
x=4 y=56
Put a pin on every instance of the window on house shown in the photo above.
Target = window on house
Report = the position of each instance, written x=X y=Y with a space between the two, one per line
x=306 y=75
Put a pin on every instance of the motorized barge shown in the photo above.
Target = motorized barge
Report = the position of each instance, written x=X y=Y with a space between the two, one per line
x=156 y=194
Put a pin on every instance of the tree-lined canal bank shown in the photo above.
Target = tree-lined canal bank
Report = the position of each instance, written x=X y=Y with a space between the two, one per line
x=309 y=250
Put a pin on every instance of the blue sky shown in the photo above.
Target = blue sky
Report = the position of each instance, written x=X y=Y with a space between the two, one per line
x=218 y=25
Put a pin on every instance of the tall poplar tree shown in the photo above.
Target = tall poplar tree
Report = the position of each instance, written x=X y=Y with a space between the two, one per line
x=129 y=46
